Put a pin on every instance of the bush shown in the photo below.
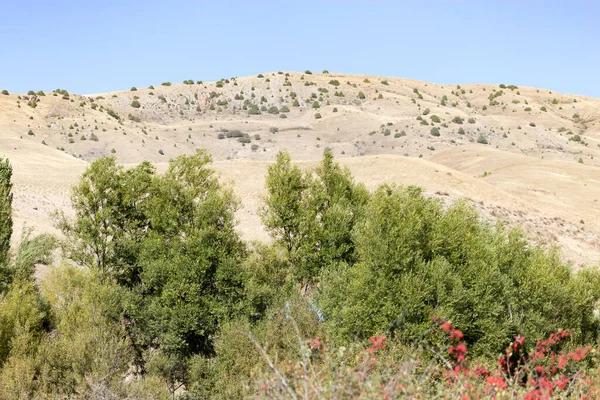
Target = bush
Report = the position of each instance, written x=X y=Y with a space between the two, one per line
x=273 y=110
x=134 y=118
x=334 y=82
x=447 y=263
x=436 y=119
x=482 y=139
x=244 y=139
x=532 y=124
x=316 y=104
x=5 y=92
x=133 y=89
x=166 y=84
x=471 y=120
x=435 y=131
x=112 y=114
x=457 y=120
x=135 y=104
x=253 y=110
x=307 y=72
x=284 y=109
x=317 y=116
x=361 y=95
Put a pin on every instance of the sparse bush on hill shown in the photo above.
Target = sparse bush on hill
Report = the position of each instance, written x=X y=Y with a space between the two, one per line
x=166 y=84
x=245 y=138
x=482 y=139
x=5 y=92
x=133 y=89
x=317 y=116
x=457 y=120
x=134 y=118
x=253 y=110
x=435 y=131
x=112 y=114
x=273 y=110
x=135 y=104
x=435 y=118
x=334 y=82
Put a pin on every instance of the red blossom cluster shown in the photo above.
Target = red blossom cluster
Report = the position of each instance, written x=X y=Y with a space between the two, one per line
x=543 y=372
x=459 y=351
x=377 y=342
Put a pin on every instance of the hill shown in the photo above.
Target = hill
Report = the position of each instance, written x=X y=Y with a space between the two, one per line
x=523 y=155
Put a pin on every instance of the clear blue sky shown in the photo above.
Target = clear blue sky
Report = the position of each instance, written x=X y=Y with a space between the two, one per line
x=97 y=46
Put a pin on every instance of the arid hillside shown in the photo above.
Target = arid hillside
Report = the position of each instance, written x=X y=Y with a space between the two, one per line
x=521 y=155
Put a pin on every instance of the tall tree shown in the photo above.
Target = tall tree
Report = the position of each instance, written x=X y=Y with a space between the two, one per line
x=6 y=223
x=170 y=239
x=312 y=214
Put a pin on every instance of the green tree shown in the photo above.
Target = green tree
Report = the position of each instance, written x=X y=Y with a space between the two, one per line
x=447 y=263
x=282 y=214
x=5 y=210
x=312 y=215
x=110 y=221
x=169 y=239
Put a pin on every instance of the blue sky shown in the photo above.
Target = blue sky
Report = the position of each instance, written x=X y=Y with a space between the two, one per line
x=97 y=46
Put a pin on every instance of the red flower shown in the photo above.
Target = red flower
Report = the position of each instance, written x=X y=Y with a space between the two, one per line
x=315 y=343
x=496 y=381
x=447 y=326
x=377 y=342
x=456 y=335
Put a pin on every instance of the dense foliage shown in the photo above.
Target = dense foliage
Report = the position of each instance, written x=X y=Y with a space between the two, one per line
x=159 y=297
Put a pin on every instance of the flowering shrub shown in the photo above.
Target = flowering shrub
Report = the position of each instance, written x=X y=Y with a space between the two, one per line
x=550 y=369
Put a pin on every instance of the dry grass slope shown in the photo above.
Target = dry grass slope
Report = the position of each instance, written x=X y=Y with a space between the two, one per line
x=523 y=155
